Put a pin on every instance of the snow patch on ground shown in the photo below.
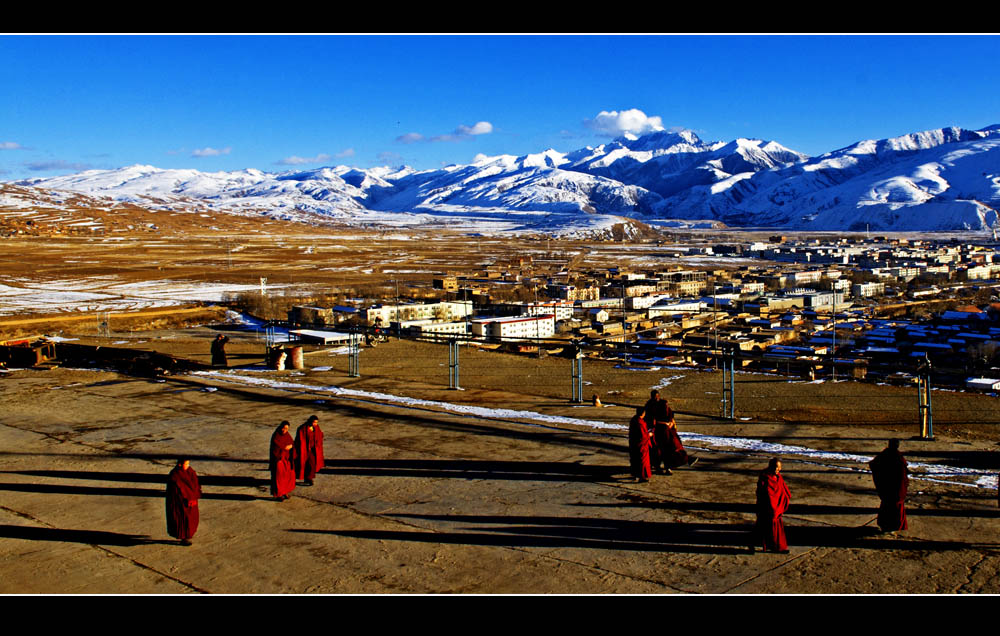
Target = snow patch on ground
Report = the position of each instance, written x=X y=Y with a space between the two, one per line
x=984 y=479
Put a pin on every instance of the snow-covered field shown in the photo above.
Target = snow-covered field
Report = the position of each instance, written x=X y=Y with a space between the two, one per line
x=106 y=293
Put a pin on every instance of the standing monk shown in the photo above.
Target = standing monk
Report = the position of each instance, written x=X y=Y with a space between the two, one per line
x=890 y=473
x=773 y=499
x=183 y=492
x=282 y=474
x=219 y=358
x=656 y=411
x=308 y=450
x=669 y=449
x=639 y=442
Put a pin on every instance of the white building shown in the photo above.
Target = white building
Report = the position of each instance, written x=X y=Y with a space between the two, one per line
x=443 y=311
x=562 y=309
x=983 y=384
x=515 y=327
x=867 y=290
x=426 y=327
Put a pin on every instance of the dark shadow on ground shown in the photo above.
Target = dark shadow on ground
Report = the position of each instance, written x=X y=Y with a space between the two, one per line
x=143 y=478
x=169 y=457
x=472 y=469
x=90 y=537
x=981 y=460
x=60 y=489
x=635 y=536
x=637 y=500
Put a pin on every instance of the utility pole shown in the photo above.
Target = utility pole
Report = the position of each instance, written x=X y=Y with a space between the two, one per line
x=834 y=352
x=624 y=324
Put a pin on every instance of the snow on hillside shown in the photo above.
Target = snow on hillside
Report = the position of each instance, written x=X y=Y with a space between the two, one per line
x=947 y=178
x=936 y=180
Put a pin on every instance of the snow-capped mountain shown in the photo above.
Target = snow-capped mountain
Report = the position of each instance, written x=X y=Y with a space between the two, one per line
x=935 y=180
x=943 y=179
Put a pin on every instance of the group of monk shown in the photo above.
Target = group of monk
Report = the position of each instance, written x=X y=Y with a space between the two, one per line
x=654 y=444
x=890 y=473
x=299 y=459
x=660 y=450
x=290 y=461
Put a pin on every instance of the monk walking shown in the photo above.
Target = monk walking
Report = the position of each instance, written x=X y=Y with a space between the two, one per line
x=669 y=450
x=308 y=450
x=219 y=358
x=282 y=474
x=891 y=476
x=773 y=499
x=183 y=492
x=639 y=442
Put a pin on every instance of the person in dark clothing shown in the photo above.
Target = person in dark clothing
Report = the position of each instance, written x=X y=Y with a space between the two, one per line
x=891 y=476
x=219 y=358
x=668 y=450
x=183 y=492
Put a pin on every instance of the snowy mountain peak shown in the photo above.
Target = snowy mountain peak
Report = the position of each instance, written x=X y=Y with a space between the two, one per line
x=938 y=179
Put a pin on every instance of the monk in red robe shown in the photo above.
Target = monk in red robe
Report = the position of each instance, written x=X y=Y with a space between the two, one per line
x=669 y=450
x=891 y=476
x=282 y=473
x=308 y=450
x=773 y=499
x=183 y=492
x=639 y=442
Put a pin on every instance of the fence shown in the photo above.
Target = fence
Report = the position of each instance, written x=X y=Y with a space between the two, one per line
x=561 y=370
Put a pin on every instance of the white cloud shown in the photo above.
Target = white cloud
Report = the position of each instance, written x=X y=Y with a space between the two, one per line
x=616 y=123
x=479 y=128
x=461 y=133
x=298 y=161
x=10 y=145
x=410 y=138
x=211 y=152
x=345 y=153
x=480 y=157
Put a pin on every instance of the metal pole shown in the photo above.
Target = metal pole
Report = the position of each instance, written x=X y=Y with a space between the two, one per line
x=577 y=378
x=354 y=350
x=833 y=362
x=725 y=390
x=732 y=386
x=925 y=413
x=453 y=368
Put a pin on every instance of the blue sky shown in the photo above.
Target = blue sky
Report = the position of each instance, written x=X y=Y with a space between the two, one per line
x=274 y=103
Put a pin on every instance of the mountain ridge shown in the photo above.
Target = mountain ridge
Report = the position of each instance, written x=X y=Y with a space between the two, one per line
x=940 y=179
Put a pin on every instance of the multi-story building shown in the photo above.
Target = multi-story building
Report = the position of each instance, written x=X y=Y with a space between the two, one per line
x=442 y=311
x=514 y=327
x=867 y=290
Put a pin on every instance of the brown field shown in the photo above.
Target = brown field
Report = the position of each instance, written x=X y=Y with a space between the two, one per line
x=422 y=499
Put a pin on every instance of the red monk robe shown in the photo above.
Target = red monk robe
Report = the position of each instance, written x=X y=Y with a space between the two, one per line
x=773 y=499
x=669 y=447
x=657 y=416
x=308 y=450
x=639 y=443
x=282 y=473
x=890 y=473
x=669 y=442
x=183 y=492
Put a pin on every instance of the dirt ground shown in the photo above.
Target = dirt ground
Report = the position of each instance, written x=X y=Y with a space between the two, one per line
x=420 y=498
